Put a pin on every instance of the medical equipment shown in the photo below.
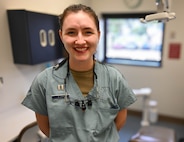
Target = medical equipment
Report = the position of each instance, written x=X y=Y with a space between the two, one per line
x=147 y=132
x=154 y=134
x=153 y=111
x=145 y=94
x=87 y=101
x=163 y=13
x=82 y=104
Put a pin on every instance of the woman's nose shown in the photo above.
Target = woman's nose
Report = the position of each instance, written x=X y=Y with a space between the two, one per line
x=80 y=39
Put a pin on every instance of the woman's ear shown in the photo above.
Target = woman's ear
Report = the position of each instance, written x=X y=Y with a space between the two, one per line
x=99 y=34
x=60 y=34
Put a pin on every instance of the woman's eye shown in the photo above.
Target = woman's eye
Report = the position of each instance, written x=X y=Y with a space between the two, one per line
x=88 y=32
x=71 y=33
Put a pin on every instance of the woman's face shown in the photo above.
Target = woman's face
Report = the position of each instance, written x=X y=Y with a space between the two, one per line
x=80 y=36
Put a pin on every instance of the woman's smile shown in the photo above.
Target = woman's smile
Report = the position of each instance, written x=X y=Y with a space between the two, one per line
x=81 y=49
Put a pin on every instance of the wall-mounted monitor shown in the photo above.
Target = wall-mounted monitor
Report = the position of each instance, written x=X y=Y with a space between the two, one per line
x=128 y=41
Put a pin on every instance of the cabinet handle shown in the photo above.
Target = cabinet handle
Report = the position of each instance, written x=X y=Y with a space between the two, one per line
x=51 y=37
x=43 y=38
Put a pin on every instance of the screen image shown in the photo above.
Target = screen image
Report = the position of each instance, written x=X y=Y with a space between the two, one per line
x=128 y=41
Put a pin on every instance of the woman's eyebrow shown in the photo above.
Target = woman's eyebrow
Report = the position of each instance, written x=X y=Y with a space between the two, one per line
x=70 y=29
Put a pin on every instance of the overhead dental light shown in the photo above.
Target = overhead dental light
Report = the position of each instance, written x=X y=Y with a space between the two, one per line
x=163 y=13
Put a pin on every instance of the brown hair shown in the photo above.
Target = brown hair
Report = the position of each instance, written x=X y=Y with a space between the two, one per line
x=76 y=8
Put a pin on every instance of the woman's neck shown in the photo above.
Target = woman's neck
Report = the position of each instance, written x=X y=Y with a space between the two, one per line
x=81 y=65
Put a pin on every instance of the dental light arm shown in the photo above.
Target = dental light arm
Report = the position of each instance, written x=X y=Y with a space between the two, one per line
x=163 y=14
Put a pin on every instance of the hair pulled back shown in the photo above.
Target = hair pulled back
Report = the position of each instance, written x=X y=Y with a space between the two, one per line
x=76 y=8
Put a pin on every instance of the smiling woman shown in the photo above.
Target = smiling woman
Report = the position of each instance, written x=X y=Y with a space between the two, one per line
x=80 y=38
x=80 y=99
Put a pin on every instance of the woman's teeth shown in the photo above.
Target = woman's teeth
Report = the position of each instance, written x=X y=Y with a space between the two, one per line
x=80 y=49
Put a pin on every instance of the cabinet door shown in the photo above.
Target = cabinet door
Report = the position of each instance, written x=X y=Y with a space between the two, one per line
x=34 y=37
x=44 y=38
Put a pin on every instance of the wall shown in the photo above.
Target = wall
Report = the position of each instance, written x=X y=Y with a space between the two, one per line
x=166 y=82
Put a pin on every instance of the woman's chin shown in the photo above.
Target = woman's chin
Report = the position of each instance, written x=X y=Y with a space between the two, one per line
x=82 y=58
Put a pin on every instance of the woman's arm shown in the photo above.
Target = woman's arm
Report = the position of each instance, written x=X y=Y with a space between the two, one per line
x=43 y=123
x=121 y=118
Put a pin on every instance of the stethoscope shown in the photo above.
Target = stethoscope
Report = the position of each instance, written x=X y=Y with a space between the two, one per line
x=87 y=102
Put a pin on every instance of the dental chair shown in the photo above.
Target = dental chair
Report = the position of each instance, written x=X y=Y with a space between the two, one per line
x=154 y=134
x=148 y=132
x=31 y=133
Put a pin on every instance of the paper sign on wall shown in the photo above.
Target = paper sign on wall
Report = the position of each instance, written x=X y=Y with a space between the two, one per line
x=174 y=50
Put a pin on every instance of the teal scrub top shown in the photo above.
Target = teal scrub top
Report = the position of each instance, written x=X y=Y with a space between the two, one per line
x=54 y=92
